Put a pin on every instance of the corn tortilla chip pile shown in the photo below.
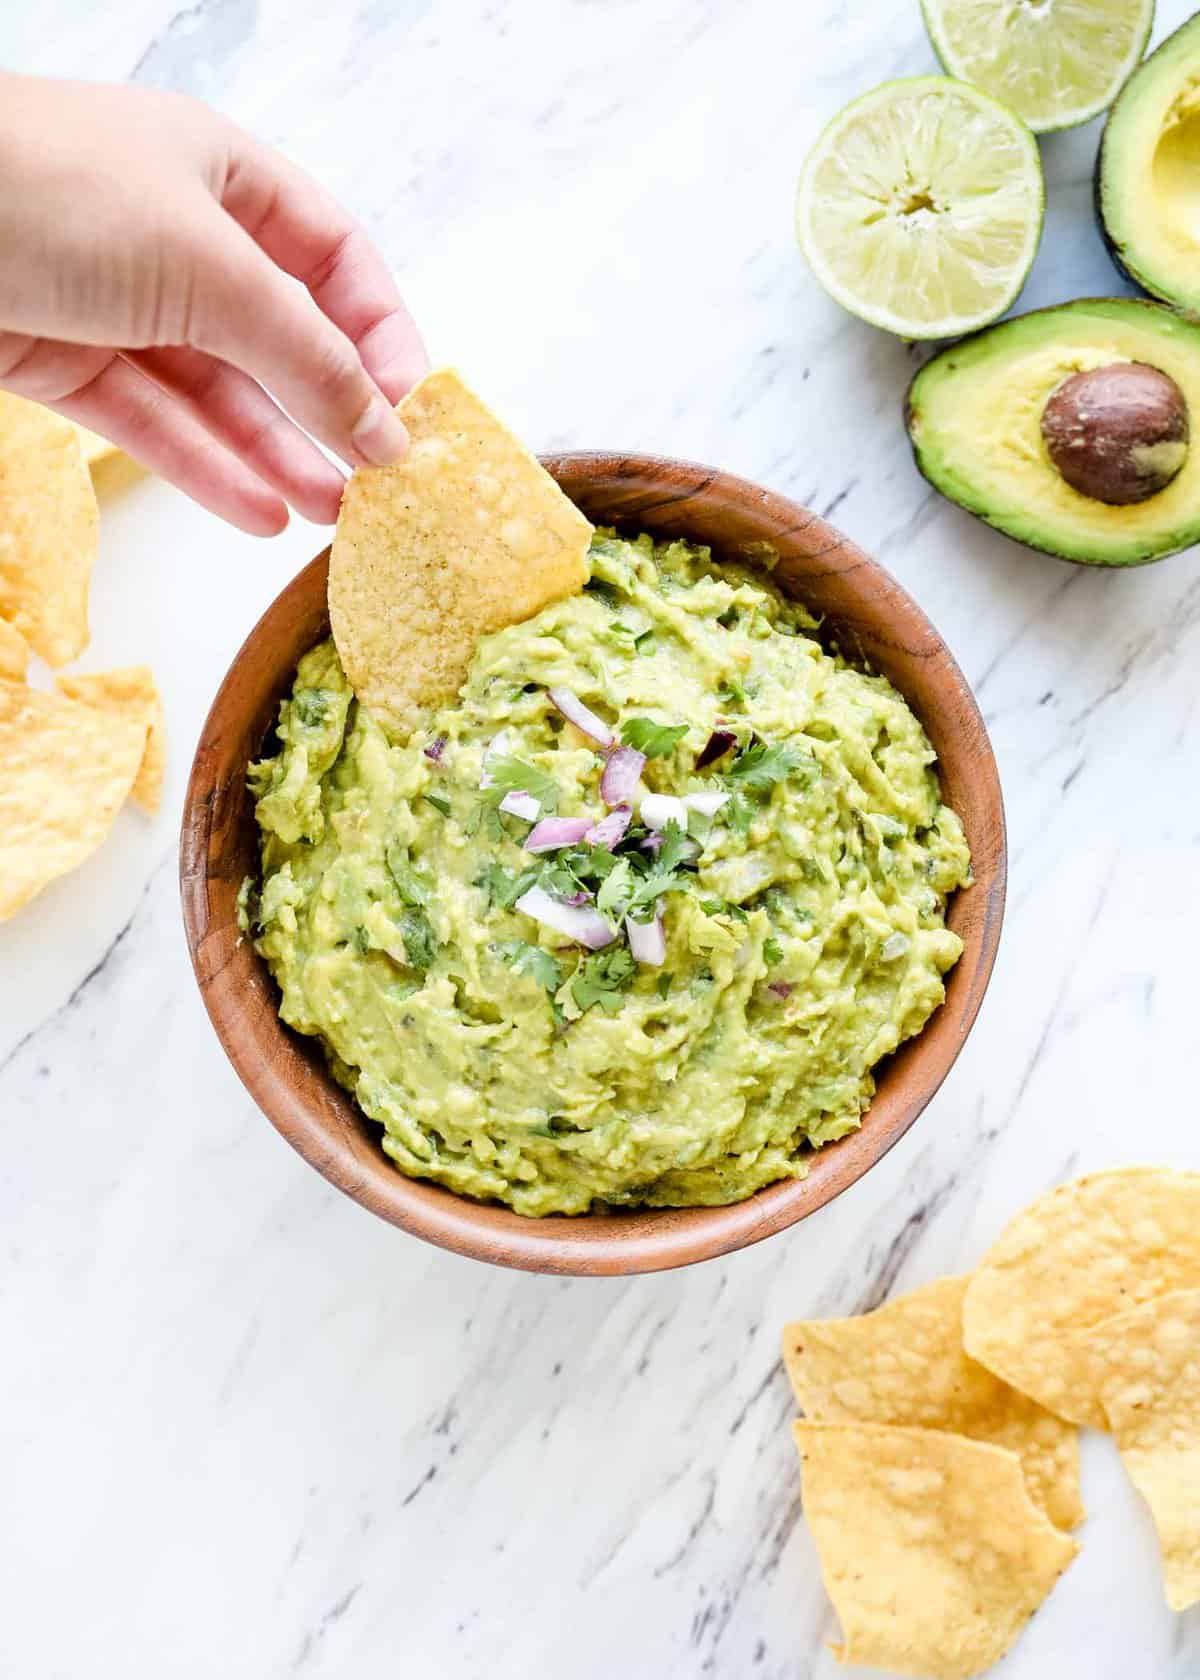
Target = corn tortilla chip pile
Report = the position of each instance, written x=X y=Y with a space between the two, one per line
x=931 y=1549
x=1088 y=1303
x=939 y=1450
x=14 y=653
x=67 y=760
x=130 y=693
x=49 y=530
x=67 y=771
x=1072 y=1259
x=905 y=1364
x=1148 y=1373
x=467 y=534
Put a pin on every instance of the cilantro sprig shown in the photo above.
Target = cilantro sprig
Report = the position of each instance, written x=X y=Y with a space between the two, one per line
x=513 y=775
x=655 y=740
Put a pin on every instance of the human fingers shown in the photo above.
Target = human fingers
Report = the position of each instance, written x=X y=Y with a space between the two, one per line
x=156 y=428
x=310 y=235
x=241 y=415
x=244 y=310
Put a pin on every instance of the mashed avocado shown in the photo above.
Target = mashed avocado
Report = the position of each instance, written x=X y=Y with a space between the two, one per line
x=802 y=921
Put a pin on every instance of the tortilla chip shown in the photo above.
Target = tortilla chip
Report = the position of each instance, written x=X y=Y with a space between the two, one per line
x=466 y=535
x=133 y=693
x=49 y=530
x=1106 y=1242
x=94 y=447
x=14 y=653
x=905 y=1364
x=67 y=770
x=931 y=1549
x=1148 y=1366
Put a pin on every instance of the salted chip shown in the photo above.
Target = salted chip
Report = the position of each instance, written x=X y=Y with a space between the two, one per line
x=14 y=653
x=132 y=693
x=931 y=1549
x=1147 y=1364
x=1104 y=1243
x=94 y=447
x=905 y=1364
x=49 y=530
x=66 y=772
x=467 y=534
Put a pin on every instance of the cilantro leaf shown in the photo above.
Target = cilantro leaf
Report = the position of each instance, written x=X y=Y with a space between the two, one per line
x=512 y=775
x=503 y=886
x=673 y=850
x=602 y=978
x=772 y=951
x=615 y=891
x=438 y=801
x=759 y=767
x=539 y=965
x=420 y=945
x=653 y=739
x=409 y=885
x=738 y=814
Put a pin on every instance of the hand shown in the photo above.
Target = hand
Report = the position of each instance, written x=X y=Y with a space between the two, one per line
x=145 y=292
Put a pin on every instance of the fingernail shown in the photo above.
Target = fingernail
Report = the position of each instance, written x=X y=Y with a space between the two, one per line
x=379 y=438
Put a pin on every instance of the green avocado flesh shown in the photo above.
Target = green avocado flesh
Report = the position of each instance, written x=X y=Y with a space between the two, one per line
x=1148 y=172
x=804 y=921
x=974 y=417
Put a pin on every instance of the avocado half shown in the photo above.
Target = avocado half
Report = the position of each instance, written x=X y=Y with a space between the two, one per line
x=974 y=415
x=1148 y=172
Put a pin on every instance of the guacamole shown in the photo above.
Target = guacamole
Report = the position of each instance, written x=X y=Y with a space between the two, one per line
x=632 y=919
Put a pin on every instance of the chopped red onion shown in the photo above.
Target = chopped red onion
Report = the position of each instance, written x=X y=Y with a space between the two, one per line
x=659 y=809
x=578 y=898
x=574 y=710
x=621 y=776
x=707 y=803
x=647 y=941
x=497 y=746
x=585 y=926
x=553 y=833
x=717 y=745
x=780 y=988
x=610 y=830
x=522 y=805
x=436 y=748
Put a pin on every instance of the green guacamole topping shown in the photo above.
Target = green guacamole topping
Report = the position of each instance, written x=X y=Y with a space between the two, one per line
x=803 y=921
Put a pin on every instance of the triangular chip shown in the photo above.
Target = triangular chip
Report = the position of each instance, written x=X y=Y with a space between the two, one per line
x=94 y=447
x=131 y=693
x=931 y=1549
x=14 y=653
x=1100 y=1244
x=67 y=771
x=905 y=1364
x=467 y=534
x=1147 y=1362
x=49 y=529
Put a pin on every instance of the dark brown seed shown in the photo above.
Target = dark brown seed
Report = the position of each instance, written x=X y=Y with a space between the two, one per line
x=1119 y=433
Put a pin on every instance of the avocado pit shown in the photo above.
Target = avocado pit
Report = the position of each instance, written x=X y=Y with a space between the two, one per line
x=1118 y=434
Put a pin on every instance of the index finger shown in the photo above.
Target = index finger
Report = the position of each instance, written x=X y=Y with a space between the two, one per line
x=303 y=229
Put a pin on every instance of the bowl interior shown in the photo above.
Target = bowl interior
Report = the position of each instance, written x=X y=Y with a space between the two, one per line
x=871 y=619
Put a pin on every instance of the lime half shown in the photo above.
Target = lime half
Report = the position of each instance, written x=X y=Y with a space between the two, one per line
x=1056 y=62
x=920 y=207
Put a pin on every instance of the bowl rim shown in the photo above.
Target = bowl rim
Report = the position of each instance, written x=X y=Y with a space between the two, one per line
x=648 y=1239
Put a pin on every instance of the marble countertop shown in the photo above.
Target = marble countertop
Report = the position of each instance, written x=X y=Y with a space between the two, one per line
x=246 y=1428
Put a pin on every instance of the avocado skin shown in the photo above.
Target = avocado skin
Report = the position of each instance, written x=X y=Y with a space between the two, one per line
x=1143 y=308
x=1122 y=259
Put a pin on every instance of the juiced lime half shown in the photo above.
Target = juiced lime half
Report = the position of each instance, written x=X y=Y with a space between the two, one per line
x=920 y=207
x=1055 y=62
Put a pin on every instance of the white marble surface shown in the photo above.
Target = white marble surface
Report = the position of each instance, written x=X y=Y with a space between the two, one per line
x=246 y=1429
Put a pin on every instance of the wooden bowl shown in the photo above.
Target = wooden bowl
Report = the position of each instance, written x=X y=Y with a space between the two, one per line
x=871 y=619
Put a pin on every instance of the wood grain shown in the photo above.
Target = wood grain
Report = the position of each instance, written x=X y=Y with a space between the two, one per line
x=871 y=618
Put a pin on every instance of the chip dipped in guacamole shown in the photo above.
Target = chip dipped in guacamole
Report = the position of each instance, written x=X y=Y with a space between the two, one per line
x=630 y=920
